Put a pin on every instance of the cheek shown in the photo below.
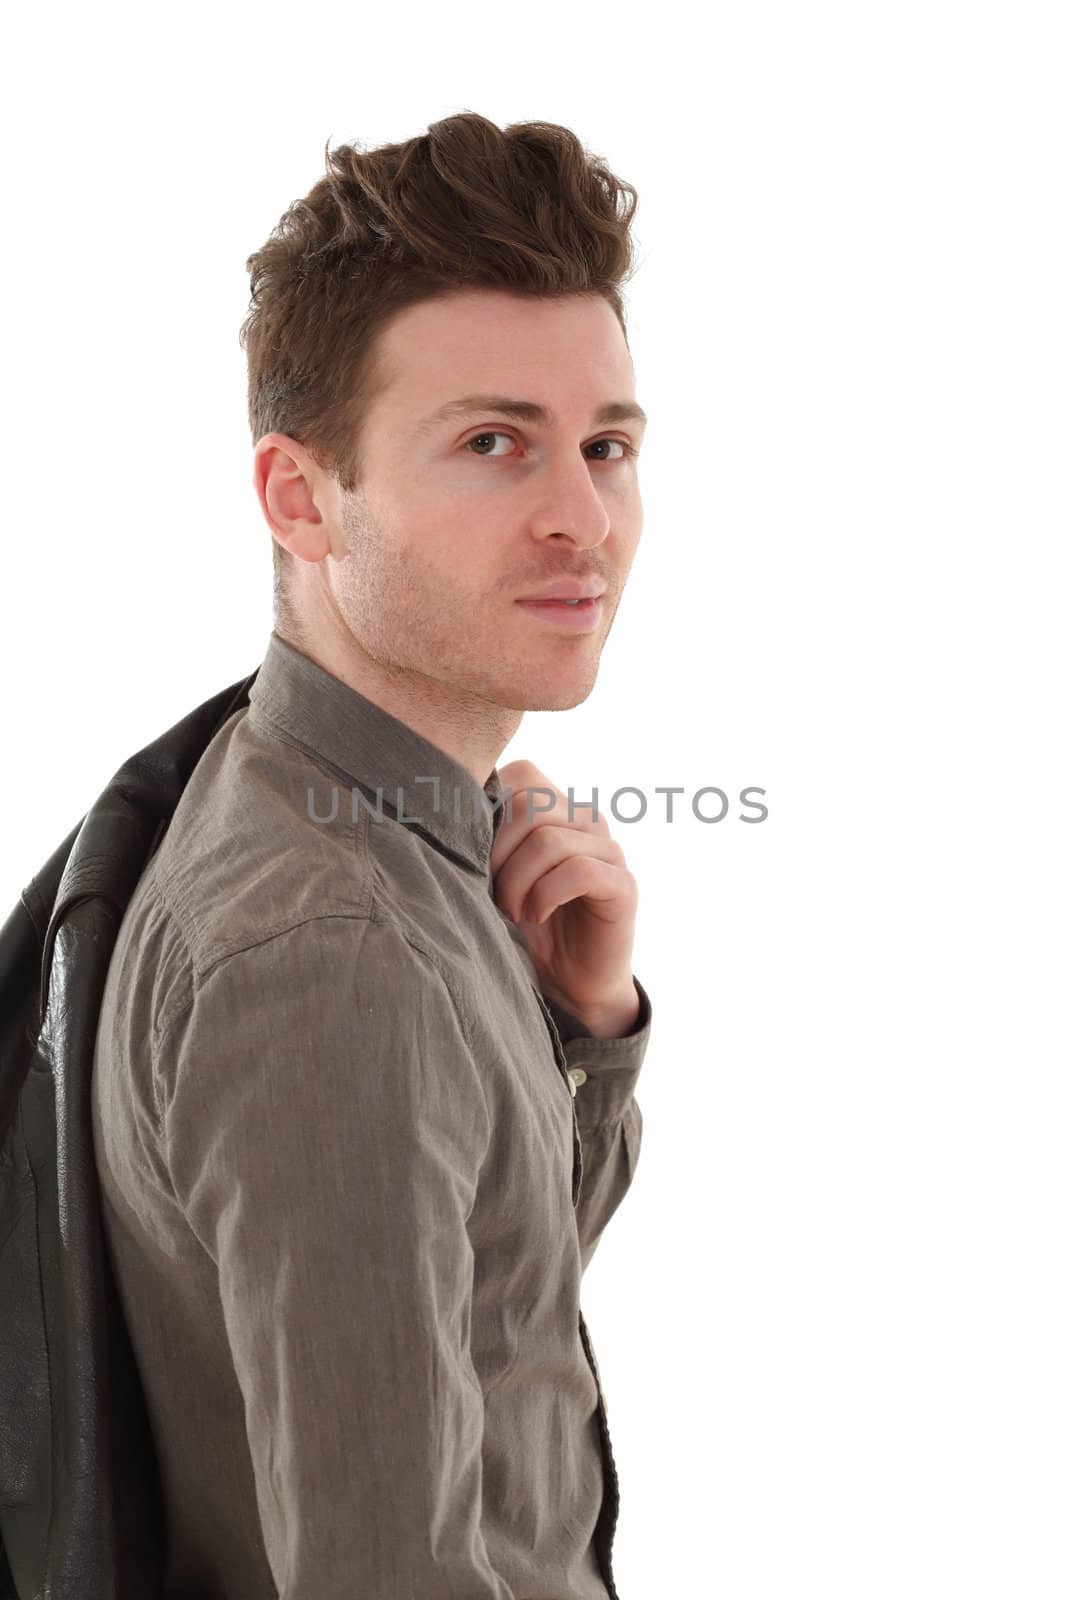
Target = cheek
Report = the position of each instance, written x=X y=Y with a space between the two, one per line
x=627 y=526
x=464 y=538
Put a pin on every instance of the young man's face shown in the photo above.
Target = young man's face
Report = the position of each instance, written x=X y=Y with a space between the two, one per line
x=455 y=519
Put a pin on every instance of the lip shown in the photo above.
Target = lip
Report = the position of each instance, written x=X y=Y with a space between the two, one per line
x=565 y=589
x=574 y=619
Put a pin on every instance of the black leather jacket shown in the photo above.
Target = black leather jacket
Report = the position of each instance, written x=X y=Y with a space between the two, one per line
x=80 y=1508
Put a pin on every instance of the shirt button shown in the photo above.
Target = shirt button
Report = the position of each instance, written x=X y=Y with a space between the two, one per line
x=576 y=1076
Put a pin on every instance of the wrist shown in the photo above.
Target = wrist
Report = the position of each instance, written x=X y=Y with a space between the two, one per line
x=611 y=1019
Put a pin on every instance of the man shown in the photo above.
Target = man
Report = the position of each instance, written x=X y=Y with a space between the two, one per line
x=363 y=1097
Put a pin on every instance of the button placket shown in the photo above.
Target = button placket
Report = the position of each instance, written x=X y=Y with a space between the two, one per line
x=561 y=1064
x=604 y=1535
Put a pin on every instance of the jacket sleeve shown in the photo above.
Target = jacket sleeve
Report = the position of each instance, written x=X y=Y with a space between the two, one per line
x=609 y=1118
x=324 y=1127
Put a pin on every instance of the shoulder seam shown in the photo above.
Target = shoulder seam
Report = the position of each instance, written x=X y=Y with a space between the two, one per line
x=352 y=904
x=371 y=915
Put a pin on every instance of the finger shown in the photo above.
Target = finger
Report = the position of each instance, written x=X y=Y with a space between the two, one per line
x=538 y=853
x=609 y=891
x=541 y=810
x=519 y=776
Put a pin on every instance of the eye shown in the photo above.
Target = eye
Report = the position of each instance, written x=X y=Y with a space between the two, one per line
x=499 y=433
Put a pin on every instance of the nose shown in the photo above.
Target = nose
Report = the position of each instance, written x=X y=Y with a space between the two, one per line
x=569 y=506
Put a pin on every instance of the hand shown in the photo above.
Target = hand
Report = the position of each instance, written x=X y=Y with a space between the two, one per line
x=566 y=886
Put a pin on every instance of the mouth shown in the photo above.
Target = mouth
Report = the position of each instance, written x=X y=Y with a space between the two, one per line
x=576 y=614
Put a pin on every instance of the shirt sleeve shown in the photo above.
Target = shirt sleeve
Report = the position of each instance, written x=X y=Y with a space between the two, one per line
x=324 y=1127
x=610 y=1124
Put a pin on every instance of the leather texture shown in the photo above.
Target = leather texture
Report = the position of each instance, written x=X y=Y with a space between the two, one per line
x=80 y=1504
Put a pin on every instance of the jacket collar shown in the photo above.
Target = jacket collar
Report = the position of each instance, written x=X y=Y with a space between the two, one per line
x=375 y=751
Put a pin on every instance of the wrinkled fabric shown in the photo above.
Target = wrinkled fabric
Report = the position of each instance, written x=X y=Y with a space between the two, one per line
x=353 y=1166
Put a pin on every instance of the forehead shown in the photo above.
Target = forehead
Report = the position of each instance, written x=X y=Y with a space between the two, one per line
x=565 y=351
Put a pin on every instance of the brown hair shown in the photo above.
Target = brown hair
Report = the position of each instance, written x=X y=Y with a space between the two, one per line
x=526 y=209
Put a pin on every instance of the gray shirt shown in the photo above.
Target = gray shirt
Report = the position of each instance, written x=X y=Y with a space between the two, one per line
x=353 y=1166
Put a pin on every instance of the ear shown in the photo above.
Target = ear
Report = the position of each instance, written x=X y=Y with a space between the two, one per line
x=296 y=497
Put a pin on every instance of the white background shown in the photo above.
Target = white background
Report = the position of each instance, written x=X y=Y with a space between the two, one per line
x=831 y=1315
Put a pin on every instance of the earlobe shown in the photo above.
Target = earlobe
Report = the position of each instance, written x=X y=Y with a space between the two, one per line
x=306 y=540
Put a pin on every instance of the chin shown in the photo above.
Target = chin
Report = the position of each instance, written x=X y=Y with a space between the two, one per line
x=561 y=702
x=540 y=691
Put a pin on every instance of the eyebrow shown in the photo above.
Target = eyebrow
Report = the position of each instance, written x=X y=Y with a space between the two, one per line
x=527 y=411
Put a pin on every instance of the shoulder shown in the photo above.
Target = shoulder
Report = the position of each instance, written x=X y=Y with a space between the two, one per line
x=254 y=851
x=342 y=1008
x=328 y=966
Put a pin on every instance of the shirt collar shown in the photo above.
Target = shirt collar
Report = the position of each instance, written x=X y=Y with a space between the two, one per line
x=374 y=750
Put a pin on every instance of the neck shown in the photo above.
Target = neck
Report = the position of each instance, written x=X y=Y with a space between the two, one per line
x=470 y=729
